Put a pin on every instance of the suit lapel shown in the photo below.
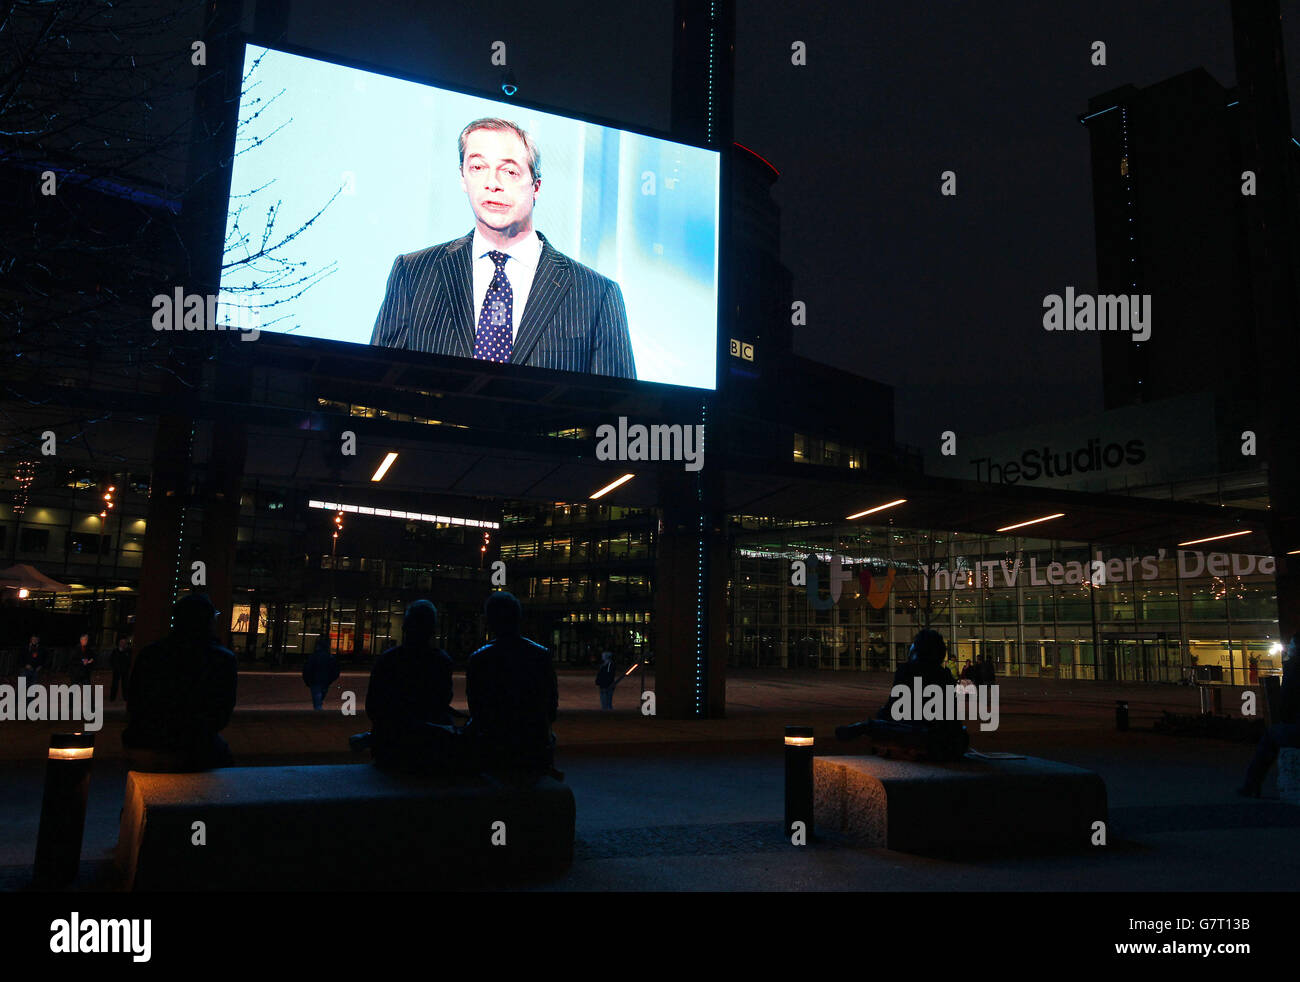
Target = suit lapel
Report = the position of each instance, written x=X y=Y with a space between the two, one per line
x=456 y=274
x=550 y=283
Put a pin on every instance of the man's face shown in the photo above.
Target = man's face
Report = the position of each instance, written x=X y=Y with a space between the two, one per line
x=85 y=640
x=497 y=180
x=34 y=641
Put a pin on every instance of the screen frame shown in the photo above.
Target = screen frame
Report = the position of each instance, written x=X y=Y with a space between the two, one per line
x=220 y=203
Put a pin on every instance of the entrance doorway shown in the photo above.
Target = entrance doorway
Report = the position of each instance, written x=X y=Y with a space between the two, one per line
x=1140 y=658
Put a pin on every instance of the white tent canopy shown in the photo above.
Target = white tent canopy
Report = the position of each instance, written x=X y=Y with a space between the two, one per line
x=30 y=578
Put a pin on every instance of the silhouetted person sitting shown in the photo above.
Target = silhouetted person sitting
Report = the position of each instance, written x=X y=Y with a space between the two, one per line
x=513 y=693
x=409 y=700
x=181 y=695
x=1285 y=732
x=931 y=739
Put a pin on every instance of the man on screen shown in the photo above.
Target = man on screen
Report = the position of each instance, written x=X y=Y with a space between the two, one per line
x=503 y=293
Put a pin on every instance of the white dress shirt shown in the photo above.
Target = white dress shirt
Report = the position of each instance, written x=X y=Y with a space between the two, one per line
x=520 y=269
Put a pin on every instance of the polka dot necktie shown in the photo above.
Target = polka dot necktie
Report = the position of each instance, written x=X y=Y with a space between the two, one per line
x=495 y=336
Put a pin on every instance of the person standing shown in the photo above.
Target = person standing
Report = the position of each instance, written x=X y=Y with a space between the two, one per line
x=33 y=660
x=120 y=661
x=606 y=679
x=321 y=670
x=988 y=672
x=83 y=662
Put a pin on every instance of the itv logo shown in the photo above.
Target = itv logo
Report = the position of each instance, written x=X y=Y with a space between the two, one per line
x=803 y=572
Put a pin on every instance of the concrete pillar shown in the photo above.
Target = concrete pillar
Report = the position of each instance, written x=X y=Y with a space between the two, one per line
x=221 y=492
x=690 y=600
x=1272 y=225
x=164 y=528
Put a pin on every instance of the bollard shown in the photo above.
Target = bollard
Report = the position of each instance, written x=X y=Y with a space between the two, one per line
x=63 y=809
x=799 y=778
x=1207 y=701
x=1121 y=715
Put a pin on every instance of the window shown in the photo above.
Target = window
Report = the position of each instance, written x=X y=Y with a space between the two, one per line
x=87 y=543
x=33 y=540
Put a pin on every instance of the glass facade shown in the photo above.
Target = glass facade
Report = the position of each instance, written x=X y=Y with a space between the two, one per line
x=585 y=572
x=853 y=597
x=800 y=596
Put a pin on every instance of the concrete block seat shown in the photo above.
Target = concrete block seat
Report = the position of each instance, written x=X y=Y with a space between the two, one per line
x=975 y=805
x=338 y=827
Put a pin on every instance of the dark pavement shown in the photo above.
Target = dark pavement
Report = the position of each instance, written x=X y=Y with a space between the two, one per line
x=682 y=805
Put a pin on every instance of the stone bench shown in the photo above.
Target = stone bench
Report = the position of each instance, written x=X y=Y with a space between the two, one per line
x=974 y=804
x=1288 y=774
x=337 y=827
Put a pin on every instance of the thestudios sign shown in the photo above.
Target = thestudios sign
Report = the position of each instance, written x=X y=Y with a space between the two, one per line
x=1053 y=462
x=997 y=573
x=1153 y=443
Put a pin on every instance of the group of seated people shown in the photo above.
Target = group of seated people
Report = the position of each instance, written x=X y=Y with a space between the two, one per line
x=181 y=694
x=510 y=686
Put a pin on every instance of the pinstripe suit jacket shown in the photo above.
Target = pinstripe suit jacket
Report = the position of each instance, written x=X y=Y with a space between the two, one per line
x=574 y=320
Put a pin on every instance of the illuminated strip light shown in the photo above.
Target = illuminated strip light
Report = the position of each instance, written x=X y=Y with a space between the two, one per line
x=610 y=487
x=1084 y=119
x=1032 y=521
x=409 y=516
x=872 y=511
x=383 y=468
x=1215 y=538
x=1294 y=552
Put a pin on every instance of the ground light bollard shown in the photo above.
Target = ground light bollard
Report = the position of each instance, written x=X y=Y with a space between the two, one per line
x=799 y=778
x=1121 y=715
x=63 y=808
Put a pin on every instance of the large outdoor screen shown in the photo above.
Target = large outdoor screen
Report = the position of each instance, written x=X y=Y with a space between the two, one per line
x=365 y=208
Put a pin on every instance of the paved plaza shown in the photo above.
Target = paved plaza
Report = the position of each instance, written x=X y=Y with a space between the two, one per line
x=679 y=805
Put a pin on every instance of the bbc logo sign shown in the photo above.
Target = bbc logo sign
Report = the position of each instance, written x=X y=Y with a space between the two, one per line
x=742 y=349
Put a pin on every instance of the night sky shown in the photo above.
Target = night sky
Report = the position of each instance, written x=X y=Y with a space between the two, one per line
x=939 y=297
x=942 y=297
